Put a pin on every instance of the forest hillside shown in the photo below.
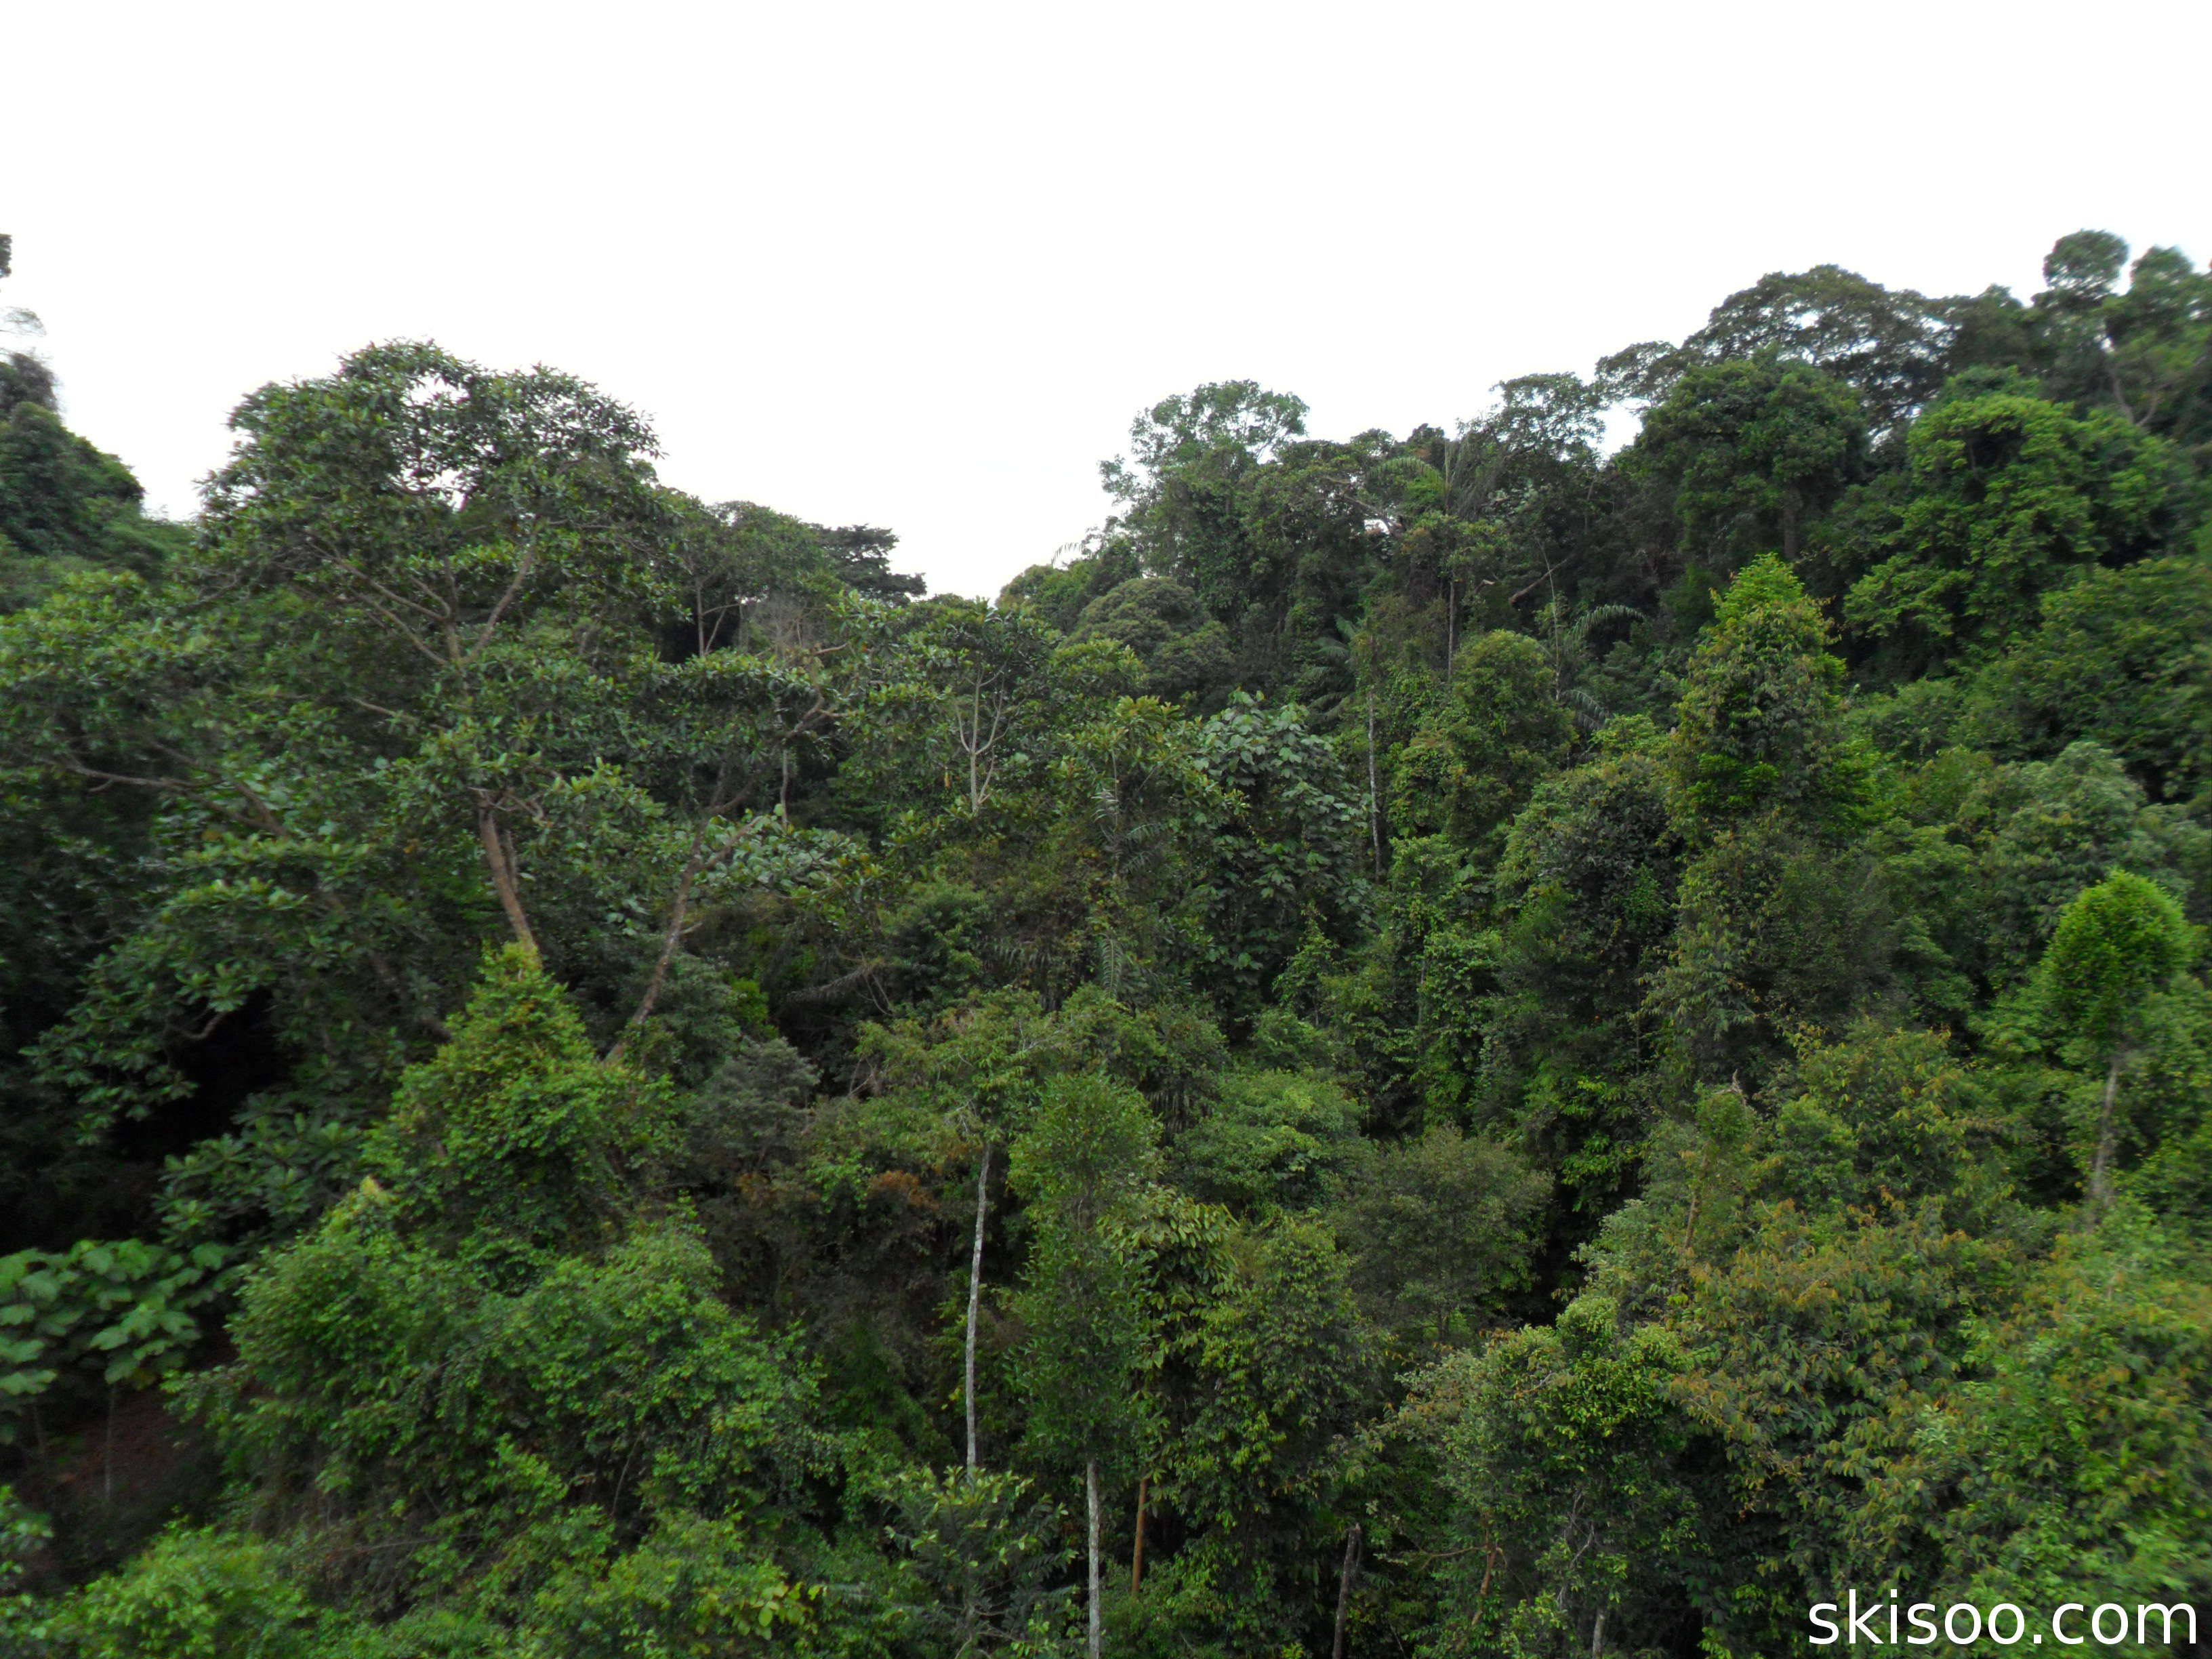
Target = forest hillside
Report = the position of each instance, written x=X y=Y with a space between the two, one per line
x=1443 y=1043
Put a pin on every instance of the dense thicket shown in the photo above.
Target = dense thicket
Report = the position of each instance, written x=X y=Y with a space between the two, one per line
x=1443 y=1044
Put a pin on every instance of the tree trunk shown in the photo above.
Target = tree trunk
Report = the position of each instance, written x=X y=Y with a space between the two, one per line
x=975 y=1297
x=1344 y=1584
x=2120 y=396
x=1090 y=1497
x=1597 y=1635
x=501 y=864
x=1374 y=796
x=1137 y=1555
x=2101 y=1169
x=1690 y=1221
x=974 y=746
x=679 y=913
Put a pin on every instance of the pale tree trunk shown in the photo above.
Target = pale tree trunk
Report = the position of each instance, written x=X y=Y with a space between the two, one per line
x=2120 y=396
x=1374 y=796
x=2101 y=1169
x=500 y=860
x=975 y=741
x=1597 y=1635
x=1090 y=1497
x=1137 y=1555
x=975 y=1297
x=679 y=914
x=1344 y=1584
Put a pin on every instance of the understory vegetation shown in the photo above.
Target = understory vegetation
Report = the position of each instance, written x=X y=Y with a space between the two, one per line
x=1453 y=1043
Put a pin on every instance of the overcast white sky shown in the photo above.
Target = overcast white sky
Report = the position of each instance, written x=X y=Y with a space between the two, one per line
x=918 y=265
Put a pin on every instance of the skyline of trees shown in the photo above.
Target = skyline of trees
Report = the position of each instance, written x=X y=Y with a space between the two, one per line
x=1453 y=1043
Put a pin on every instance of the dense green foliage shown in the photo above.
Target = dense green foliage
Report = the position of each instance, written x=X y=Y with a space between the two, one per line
x=1453 y=1044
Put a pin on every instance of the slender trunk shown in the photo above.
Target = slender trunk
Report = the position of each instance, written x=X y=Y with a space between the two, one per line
x=679 y=913
x=1090 y=1497
x=975 y=1304
x=1137 y=1555
x=975 y=1297
x=2120 y=396
x=1451 y=630
x=1374 y=797
x=499 y=858
x=1343 y=1583
x=974 y=746
x=2100 y=1170
x=1597 y=1635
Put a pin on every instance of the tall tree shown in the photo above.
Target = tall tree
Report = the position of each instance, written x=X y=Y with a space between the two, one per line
x=2012 y=497
x=2116 y=945
x=1766 y=789
x=1082 y=1165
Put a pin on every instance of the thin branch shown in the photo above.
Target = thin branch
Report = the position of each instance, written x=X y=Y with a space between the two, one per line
x=678 y=909
x=166 y=786
x=523 y=566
